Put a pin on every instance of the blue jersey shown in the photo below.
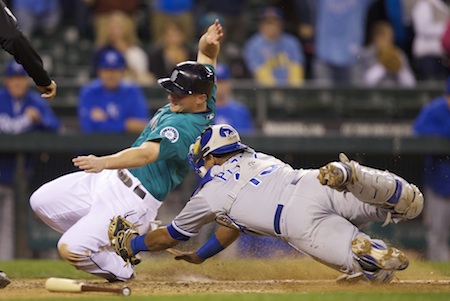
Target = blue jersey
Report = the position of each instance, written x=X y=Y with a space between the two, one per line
x=434 y=120
x=235 y=114
x=13 y=120
x=127 y=101
x=175 y=132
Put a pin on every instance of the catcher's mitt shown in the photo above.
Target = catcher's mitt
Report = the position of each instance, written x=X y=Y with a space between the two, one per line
x=120 y=232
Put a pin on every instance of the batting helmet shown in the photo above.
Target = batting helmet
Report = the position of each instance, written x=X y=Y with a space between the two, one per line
x=218 y=139
x=189 y=78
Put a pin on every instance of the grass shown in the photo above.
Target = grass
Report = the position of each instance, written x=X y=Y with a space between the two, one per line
x=162 y=268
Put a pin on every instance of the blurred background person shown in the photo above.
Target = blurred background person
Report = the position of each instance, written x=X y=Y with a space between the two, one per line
x=384 y=62
x=101 y=9
x=165 y=11
x=228 y=110
x=434 y=120
x=429 y=19
x=273 y=56
x=21 y=110
x=33 y=15
x=121 y=35
x=109 y=103
x=305 y=11
x=171 y=49
x=339 y=38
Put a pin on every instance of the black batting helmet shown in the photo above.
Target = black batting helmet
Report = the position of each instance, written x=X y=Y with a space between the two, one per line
x=189 y=78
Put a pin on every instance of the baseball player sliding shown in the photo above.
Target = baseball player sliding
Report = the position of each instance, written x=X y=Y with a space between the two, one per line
x=316 y=211
x=135 y=181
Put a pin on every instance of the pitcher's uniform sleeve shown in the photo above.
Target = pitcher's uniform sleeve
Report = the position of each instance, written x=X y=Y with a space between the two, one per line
x=13 y=41
x=191 y=219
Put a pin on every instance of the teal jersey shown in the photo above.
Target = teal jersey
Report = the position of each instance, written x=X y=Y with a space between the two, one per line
x=175 y=133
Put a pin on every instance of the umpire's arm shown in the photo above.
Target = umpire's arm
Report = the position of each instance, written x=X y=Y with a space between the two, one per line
x=13 y=41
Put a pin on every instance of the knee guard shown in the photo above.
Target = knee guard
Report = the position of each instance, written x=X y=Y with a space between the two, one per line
x=382 y=188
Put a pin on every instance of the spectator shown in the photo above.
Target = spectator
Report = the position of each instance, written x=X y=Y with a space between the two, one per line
x=101 y=10
x=229 y=111
x=384 y=62
x=110 y=104
x=172 y=49
x=37 y=14
x=273 y=56
x=339 y=39
x=429 y=19
x=21 y=110
x=306 y=16
x=165 y=11
x=121 y=35
x=434 y=120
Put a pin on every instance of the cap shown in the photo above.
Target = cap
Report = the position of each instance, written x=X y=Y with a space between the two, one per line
x=210 y=18
x=271 y=12
x=189 y=78
x=14 y=69
x=222 y=72
x=111 y=59
x=218 y=139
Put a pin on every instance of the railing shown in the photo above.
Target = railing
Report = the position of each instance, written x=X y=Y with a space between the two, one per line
x=402 y=155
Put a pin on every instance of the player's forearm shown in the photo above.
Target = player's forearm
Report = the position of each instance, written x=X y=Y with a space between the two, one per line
x=130 y=158
x=208 y=49
x=217 y=243
x=159 y=239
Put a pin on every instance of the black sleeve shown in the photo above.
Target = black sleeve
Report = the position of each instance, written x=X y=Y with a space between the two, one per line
x=13 y=41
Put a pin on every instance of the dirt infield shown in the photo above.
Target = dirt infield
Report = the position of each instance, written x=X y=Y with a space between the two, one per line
x=165 y=276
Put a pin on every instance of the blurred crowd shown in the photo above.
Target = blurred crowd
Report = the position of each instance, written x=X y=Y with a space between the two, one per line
x=344 y=42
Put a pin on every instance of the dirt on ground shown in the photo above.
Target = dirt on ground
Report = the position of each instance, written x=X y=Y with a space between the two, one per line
x=168 y=277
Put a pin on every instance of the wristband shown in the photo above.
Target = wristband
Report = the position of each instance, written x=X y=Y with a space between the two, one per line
x=210 y=248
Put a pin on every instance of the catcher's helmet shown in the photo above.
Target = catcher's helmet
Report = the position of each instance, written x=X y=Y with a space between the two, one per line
x=189 y=78
x=218 y=139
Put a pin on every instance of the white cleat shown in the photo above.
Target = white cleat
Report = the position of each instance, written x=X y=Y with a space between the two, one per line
x=336 y=174
x=372 y=254
x=4 y=280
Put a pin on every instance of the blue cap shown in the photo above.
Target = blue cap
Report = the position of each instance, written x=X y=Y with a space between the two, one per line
x=111 y=59
x=14 y=69
x=271 y=12
x=222 y=72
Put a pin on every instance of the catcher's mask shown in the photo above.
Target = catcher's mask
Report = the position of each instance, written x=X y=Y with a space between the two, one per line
x=189 y=78
x=218 y=139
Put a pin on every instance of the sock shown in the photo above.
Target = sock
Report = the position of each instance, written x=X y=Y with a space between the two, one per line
x=138 y=244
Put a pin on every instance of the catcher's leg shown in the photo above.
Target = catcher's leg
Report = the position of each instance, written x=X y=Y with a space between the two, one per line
x=377 y=261
x=382 y=188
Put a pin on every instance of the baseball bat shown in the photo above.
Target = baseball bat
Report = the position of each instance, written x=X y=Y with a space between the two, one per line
x=73 y=286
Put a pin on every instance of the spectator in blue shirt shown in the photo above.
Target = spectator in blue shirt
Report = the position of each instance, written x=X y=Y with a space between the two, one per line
x=434 y=120
x=273 y=56
x=21 y=110
x=110 y=104
x=228 y=110
x=37 y=14
x=339 y=37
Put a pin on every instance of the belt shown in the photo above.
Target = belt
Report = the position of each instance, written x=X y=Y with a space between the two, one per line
x=277 y=217
x=129 y=182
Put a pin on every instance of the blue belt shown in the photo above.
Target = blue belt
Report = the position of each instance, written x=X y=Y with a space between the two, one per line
x=276 y=220
x=277 y=217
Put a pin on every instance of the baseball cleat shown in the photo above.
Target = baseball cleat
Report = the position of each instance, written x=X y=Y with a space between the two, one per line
x=370 y=255
x=4 y=280
x=336 y=174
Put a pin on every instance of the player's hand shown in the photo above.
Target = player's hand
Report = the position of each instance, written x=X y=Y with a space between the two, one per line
x=187 y=256
x=91 y=163
x=214 y=34
x=48 y=92
x=33 y=114
x=97 y=114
